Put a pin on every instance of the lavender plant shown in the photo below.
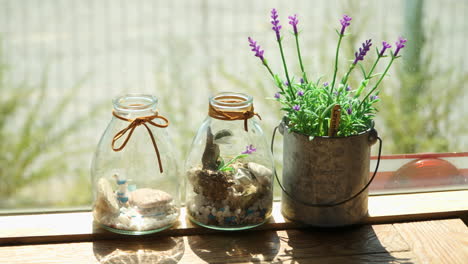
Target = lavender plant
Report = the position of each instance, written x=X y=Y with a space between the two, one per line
x=226 y=166
x=308 y=105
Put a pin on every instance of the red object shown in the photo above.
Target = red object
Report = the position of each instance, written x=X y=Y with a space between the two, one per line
x=428 y=172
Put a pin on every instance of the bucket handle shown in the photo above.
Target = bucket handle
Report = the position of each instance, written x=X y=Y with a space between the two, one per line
x=328 y=204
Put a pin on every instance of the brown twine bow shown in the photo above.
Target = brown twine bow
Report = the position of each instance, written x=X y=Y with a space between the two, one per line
x=233 y=115
x=131 y=127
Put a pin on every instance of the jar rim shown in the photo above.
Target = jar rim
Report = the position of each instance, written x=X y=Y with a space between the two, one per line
x=231 y=100
x=134 y=102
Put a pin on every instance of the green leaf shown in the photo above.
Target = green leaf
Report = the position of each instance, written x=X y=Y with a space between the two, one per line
x=221 y=164
x=362 y=70
x=375 y=75
x=318 y=81
x=226 y=169
x=278 y=81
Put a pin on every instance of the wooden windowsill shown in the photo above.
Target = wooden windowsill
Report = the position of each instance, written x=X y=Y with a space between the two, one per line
x=79 y=226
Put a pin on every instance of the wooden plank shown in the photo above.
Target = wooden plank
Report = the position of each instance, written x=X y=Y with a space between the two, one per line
x=296 y=244
x=443 y=241
x=387 y=258
x=375 y=242
x=79 y=226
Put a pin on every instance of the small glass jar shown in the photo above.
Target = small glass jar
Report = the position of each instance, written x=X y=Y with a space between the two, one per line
x=134 y=173
x=229 y=170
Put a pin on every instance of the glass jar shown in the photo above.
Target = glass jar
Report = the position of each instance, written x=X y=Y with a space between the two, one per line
x=134 y=173
x=229 y=169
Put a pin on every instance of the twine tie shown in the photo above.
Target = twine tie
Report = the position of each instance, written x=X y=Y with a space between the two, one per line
x=233 y=115
x=134 y=123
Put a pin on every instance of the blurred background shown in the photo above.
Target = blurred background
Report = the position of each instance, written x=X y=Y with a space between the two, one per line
x=62 y=62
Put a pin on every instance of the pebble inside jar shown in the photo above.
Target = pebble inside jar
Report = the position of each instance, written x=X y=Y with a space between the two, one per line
x=229 y=167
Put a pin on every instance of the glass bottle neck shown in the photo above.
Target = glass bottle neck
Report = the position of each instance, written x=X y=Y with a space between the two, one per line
x=231 y=102
x=135 y=105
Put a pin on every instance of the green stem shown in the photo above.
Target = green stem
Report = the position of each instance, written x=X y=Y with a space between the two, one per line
x=286 y=69
x=378 y=82
x=321 y=119
x=232 y=161
x=336 y=62
x=268 y=68
x=373 y=67
x=345 y=78
x=271 y=73
x=300 y=58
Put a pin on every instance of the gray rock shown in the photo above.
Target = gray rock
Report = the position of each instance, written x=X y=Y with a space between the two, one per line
x=211 y=152
x=149 y=198
x=223 y=136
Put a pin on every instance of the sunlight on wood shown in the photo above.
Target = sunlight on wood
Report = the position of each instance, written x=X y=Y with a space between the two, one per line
x=79 y=226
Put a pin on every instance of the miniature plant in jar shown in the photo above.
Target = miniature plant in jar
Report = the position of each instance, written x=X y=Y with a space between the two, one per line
x=134 y=172
x=229 y=167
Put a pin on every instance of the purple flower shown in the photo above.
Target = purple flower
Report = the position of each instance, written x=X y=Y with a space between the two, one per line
x=249 y=149
x=325 y=84
x=344 y=23
x=293 y=22
x=275 y=22
x=256 y=49
x=296 y=107
x=302 y=81
x=385 y=46
x=399 y=45
x=348 y=88
x=300 y=93
x=349 y=111
x=373 y=97
x=286 y=83
x=362 y=51
x=277 y=95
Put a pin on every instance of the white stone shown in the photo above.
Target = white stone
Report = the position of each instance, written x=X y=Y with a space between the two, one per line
x=124 y=220
x=106 y=200
x=193 y=208
x=262 y=173
x=243 y=176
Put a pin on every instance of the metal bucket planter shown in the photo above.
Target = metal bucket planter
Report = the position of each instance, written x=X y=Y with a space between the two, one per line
x=325 y=180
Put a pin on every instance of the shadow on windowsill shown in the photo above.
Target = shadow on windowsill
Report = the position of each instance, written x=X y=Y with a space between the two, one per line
x=138 y=249
x=355 y=244
x=242 y=246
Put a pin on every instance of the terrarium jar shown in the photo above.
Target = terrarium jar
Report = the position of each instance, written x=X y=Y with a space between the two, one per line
x=229 y=168
x=134 y=173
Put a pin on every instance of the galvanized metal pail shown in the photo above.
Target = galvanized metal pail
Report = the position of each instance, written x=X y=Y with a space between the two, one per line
x=325 y=179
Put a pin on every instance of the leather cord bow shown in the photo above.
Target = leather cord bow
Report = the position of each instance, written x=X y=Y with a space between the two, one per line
x=233 y=115
x=131 y=127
